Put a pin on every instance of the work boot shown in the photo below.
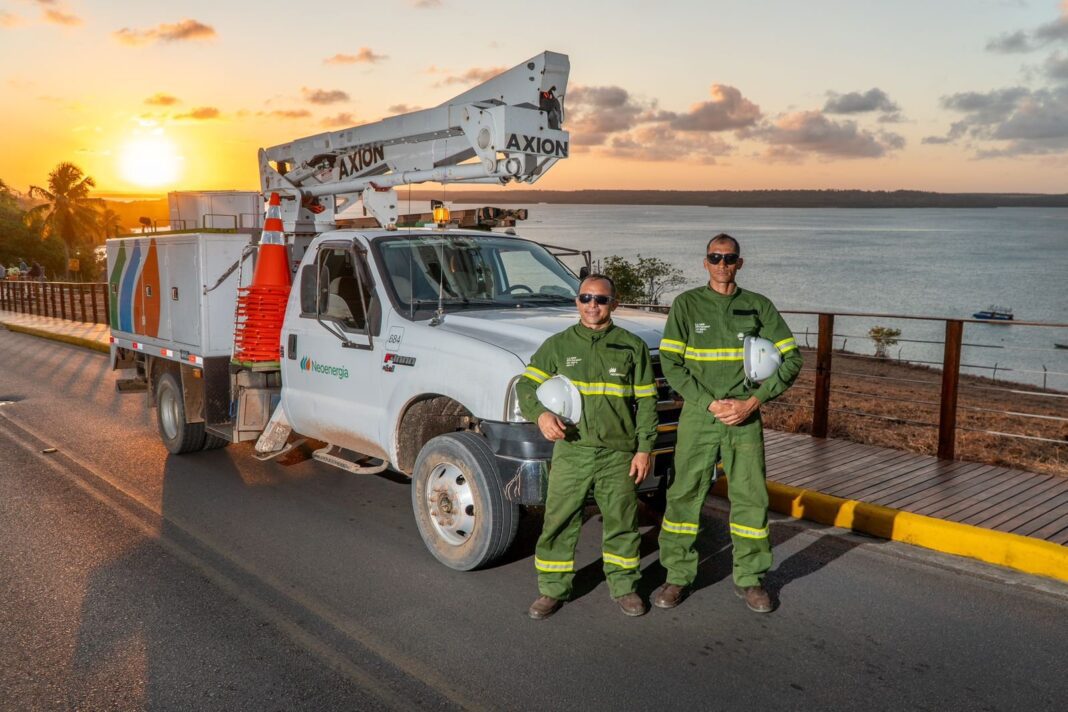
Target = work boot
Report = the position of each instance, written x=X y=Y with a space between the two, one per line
x=756 y=598
x=631 y=604
x=543 y=607
x=670 y=595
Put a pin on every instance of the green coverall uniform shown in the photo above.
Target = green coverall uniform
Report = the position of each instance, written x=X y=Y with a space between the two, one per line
x=701 y=354
x=613 y=371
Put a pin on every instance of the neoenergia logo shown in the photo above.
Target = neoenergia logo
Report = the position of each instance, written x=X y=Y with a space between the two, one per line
x=308 y=364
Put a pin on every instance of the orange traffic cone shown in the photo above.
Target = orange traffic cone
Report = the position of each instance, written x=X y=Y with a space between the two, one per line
x=261 y=307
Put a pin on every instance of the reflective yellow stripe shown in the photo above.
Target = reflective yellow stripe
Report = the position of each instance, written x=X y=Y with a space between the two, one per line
x=749 y=532
x=786 y=345
x=714 y=354
x=644 y=391
x=672 y=345
x=677 y=528
x=553 y=566
x=603 y=389
x=536 y=374
x=621 y=561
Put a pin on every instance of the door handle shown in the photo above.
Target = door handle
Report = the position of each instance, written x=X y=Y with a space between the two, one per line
x=291 y=347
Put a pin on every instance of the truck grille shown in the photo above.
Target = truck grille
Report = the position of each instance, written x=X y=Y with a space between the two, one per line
x=668 y=407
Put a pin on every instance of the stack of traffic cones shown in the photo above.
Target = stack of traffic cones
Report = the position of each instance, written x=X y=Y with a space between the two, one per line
x=261 y=307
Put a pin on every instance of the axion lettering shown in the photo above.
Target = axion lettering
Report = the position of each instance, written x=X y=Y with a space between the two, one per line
x=359 y=160
x=534 y=144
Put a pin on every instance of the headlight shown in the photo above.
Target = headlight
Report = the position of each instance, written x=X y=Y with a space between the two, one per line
x=512 y=414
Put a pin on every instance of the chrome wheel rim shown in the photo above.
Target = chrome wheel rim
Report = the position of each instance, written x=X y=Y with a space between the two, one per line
x=450 y=500
x=168 y=413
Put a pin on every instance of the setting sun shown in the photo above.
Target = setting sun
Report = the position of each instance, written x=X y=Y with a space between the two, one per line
x=149 y=161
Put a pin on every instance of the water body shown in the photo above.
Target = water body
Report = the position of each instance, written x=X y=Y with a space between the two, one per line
x=923 y=262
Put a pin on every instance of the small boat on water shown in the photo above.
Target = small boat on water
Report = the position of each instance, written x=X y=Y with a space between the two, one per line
x=994 y=313
x=1059 y=346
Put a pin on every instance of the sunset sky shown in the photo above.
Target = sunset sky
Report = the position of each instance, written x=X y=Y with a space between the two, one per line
x=947 y=95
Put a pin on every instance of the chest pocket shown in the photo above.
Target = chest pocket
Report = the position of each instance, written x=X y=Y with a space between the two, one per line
x=745 y=322
x=618 y=365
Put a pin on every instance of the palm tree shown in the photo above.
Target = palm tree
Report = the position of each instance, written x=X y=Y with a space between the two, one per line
x=110 y=223
x=68 y=212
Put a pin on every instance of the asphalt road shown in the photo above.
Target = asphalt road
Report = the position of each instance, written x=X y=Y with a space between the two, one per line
x=132 y=579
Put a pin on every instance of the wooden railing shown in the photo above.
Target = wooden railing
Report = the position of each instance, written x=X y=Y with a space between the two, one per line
x=74 y=301
x=950 y=372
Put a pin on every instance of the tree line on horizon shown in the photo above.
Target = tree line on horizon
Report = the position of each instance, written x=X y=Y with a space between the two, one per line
x=55 y=223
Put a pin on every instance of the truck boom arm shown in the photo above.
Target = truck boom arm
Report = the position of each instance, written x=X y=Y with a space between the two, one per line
x=506 y=129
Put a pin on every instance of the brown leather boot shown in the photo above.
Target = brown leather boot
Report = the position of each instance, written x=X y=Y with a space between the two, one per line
x=756 y=598
x=543 y=607
x=670 y=595
x=631 y=604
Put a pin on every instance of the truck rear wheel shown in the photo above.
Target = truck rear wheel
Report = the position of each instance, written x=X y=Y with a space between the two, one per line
x=458 y=497
x=178 y=434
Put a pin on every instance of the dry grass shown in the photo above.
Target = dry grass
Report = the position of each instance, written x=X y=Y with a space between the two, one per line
x=857 y=385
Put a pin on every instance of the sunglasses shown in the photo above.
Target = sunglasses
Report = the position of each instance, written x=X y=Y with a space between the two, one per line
x=730 y=258
x=601 y=299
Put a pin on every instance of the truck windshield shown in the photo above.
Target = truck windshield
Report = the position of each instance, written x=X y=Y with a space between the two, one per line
x=473 y=272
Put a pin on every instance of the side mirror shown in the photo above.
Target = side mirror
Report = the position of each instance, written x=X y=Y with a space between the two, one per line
x=584 y=272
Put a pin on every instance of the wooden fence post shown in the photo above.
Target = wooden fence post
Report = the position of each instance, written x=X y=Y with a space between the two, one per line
x=63 y=300
x=821 y=398
x=947 y=419
x=92 y=294
x=81 y=299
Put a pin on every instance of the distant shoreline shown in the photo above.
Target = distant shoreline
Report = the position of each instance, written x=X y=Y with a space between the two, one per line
x=862 y=199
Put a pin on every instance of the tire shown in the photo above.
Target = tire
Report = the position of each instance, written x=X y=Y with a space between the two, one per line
x=458 y=498
x=179 y=436
x=214 y=442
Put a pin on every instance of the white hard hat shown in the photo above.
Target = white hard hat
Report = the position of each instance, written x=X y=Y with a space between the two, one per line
x=562 y=397
x=760 y=358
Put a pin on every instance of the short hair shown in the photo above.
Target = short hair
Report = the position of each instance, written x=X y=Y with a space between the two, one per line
x=598 y=275
x=724 y=237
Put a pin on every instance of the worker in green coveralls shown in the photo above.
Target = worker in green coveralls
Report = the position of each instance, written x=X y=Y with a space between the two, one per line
x=608 y=450
x=702 y=357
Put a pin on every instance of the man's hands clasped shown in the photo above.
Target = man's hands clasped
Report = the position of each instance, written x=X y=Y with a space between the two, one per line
x=732 y=411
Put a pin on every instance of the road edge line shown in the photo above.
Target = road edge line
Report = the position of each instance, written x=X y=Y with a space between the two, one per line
x=65 y=338
x=1014 y=551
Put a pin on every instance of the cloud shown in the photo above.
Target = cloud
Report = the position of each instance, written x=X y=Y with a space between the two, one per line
x=1010 y=43
x=659 y=142
x=286 y=113
x=343 y=119
x=161 y=99
x=1056 y=67
x=8 y=19
x=178 y=32
x=1013 y=121
x=425 y=4
x=727 y=110
x=402 y=109
x=62 y=18
x=595 y=112
x=813 y=132
x=475 y=75
x=323 y=96
x=854 y=102
x=1023 y=41
x=363 y=56
x=200 y=113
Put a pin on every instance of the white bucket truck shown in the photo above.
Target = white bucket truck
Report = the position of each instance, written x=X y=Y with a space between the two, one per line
x=400 y=348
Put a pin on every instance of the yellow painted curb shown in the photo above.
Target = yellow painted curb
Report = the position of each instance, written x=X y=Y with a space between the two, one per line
x=1022 y=553
x=65 y=338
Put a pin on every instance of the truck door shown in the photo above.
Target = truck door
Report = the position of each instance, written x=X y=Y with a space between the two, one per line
x=332 y=354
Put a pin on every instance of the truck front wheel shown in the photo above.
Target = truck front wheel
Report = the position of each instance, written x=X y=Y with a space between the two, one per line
x=179 y=436
x=458 y=497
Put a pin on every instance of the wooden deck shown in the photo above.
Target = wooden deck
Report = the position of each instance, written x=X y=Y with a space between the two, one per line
x=987 y=496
